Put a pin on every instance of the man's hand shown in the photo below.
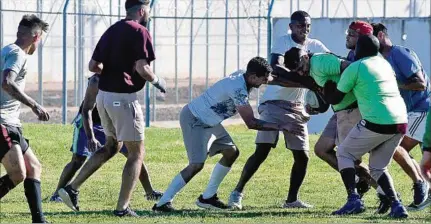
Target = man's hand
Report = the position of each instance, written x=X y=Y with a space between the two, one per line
x=160 y=84
x=292 y=128
x=310 y=110
x=41 y=112
x=93 y=145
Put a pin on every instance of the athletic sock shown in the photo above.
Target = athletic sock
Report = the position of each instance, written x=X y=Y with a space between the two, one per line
x=217 y=177
x=34 y=199
x=6 y=185
x=176 y=185
x=348 y=176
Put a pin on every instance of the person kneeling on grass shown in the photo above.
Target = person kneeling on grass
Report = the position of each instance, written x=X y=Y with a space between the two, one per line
x=88 y=136
x=383 y=125
x=203 y=133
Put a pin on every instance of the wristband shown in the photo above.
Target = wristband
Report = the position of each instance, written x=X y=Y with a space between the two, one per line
x=156 y=80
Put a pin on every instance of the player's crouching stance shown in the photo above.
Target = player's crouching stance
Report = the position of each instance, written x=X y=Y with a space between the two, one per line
x=203 y=133
x=20 y=162
x=372 y=81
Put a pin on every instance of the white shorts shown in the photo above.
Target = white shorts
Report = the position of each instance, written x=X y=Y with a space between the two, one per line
x=416 y=125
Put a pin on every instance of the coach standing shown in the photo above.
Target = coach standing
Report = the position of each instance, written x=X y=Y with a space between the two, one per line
x=122 y=57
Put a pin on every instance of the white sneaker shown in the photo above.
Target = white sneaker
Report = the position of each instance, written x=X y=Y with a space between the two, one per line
x=235 y=199
x=297 y=204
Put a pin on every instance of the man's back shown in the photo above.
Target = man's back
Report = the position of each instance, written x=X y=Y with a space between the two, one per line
x=118 y=49
x=15 y=59
x=406 y=63
x=219 y=102
x=373 y=82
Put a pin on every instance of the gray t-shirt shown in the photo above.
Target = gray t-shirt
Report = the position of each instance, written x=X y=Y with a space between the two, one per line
x=219 y=102
x=15 y=59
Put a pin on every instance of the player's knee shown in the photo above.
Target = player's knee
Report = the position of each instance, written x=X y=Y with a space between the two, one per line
x=301 y=157
x=34 y=170
x=231 y=154
x=196 y=167
x=262 y=152
x=18 y=176
x=377 y=173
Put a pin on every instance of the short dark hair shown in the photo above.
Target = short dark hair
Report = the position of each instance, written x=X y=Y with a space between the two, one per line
x=367 y=45
x=292 y=57
x=377 y=27
x=299 y=16
x=33 y=23
x=259 y=66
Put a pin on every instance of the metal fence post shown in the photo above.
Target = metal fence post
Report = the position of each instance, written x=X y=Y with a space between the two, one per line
x=225 y=38
x=39 y=8
x=147 y=85
x=191 y=52
x=65 y=61
x=176 y=51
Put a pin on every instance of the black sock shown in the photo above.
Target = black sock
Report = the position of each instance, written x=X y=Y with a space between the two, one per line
x=348 y=176
x=6 y=185
x=385 y=182
x=34 y=199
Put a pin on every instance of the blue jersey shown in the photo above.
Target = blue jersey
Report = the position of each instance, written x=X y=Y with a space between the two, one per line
x=406 y=63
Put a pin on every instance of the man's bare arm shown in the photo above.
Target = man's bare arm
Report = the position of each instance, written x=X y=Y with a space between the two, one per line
x=246 y=113
x=416 y=82
x=89 y=104
x=144 y=70
x=9 y=86
x=95 y=66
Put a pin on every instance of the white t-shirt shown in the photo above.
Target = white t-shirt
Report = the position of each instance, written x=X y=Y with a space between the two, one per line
x=15 y=59
x=281 y=45
x=219 y=102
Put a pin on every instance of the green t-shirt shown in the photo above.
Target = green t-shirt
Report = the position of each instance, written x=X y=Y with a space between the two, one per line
x=324 y=67
x=373 y=82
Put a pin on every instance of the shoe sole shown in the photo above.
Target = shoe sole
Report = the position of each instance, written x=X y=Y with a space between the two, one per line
x=420 y=207
x=207 y=206
x=234 y=206
x=66 y=199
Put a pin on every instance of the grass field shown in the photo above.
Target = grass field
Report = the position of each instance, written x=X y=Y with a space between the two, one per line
x=166 y=156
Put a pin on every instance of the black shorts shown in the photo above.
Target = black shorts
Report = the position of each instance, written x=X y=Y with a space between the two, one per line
x=10 y=135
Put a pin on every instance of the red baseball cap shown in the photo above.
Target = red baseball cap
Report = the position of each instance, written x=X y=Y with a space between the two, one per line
x=362 y=27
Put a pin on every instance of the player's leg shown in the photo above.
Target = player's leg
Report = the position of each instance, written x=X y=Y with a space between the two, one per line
x=32 y=185
x=69 y=194
x=12 y=159
x=415 y=133
x=144 y=178
x=324 y=147
x=224 y=145
x=196 y=138
x=299 y=146
x=380 y=158
x=67 y=174
x=426 y=148
x=79 y=156
x=358 y=142
x=265 y=140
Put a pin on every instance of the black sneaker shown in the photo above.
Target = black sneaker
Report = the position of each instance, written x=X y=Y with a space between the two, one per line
x=69 y=197
x=385 y=204
x=362 y=187
x=128 y=212
x=154 y=196
x=167 y=207
x=211 y=203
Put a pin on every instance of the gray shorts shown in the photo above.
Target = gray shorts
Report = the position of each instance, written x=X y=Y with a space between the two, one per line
x=340 y=124
x=201 y=139
x=361 y=140
x=281 y=112
x=121 y=115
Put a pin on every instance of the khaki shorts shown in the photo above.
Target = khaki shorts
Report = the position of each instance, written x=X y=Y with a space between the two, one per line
x=121 y=115
x=202 y=140
x=281 y=112
x=340 y=124
x=361 y=140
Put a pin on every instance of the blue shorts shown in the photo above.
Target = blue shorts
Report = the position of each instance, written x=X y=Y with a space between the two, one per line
x=79 y=145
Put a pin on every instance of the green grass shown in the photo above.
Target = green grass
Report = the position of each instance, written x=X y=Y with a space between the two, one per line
x=166 y=156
